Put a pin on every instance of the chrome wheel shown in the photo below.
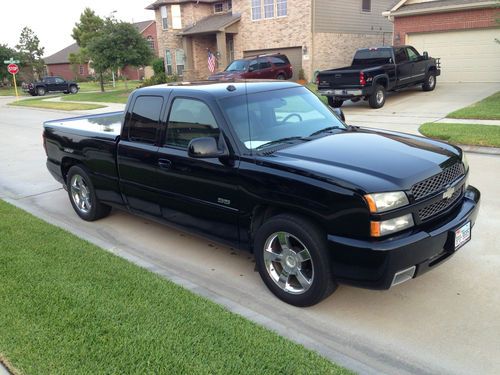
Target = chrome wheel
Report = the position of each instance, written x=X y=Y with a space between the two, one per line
x=431 y=81
x=80 y=194
x=380 y=96
x=288 y=262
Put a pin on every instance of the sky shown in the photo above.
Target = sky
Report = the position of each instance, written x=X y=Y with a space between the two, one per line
x=53 y=20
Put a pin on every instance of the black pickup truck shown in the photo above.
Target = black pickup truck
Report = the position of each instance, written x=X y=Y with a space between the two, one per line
x=374 y=71
x=51 y=84
x=267 y=167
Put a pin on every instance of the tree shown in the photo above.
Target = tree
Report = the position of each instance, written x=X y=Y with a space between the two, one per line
x=118 y=44
x=5 y=54
x=77 y=59
x=31 y=52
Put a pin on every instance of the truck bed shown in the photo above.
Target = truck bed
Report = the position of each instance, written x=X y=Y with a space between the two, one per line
x=104 y=125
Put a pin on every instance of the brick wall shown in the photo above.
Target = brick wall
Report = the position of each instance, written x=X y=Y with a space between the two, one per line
x=64 y=71
x=150 y=31
x=467 y=19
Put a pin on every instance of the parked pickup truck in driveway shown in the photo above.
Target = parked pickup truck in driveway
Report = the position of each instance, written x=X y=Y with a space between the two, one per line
x=374 y=71
x=267 y=167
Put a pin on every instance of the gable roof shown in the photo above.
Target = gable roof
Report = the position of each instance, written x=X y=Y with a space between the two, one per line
x=408 y=7
x=211 y=24
x=62 y=56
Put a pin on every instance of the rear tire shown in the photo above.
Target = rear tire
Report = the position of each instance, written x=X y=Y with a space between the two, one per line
x=377 y=98
x=335 y=103
x=73 y=89
x=82 y=195
x=430 y=82
x=293 y=260
x=281 y=77
x=40 y=91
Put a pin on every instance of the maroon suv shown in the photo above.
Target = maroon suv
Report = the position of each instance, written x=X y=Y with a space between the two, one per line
x=276 y=66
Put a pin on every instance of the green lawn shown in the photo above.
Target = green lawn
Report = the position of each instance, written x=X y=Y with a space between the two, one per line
x=116 y=96
x=9 y=91
x=486 y=109
x=69 y=307
x=108 y=86
x=42 y=103
x=466 y=134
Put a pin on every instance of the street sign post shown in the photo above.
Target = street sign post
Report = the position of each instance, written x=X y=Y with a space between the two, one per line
x=13 y=69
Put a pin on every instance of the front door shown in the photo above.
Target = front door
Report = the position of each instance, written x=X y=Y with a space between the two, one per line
x=200 y=194
x=60 y=84
x=403 y=67
x=419 y=64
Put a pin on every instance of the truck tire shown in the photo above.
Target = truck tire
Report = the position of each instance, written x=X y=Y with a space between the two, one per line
x=377 y=98
x=40 y=91
x=82 y=195
x=73 y=89
x=335 y=103
x=293 y=260
x=430 y=82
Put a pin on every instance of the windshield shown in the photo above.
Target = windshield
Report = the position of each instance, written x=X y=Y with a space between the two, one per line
x=372 y=56
x=278 y=115
x=237 y=66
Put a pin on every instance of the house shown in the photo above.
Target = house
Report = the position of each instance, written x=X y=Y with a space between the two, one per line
x=58 y=64
x=314 y=34
x=461 y=33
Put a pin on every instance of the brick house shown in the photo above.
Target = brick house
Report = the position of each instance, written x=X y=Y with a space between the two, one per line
x=314 y=34
x=461 y=33
x=58 y=64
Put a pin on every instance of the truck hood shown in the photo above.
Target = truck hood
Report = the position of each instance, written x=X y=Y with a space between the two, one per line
x=368 y=161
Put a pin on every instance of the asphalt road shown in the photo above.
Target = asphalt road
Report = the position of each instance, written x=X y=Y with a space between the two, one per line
x=446 y=321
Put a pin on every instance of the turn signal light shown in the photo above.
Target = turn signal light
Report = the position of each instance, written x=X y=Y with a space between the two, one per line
x=362 y=80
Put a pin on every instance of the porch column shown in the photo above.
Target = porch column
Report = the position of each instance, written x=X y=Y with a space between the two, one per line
x=187 y=46
x=222 y=49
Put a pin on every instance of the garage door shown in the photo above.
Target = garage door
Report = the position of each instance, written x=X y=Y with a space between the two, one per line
x=294 y=54
x=466 y=55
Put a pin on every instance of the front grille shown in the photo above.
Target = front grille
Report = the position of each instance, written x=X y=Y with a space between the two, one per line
x=437 y=182
x=439 y=206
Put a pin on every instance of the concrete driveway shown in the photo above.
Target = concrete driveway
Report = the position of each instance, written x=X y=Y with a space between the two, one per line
x=407 y=109
x=446 y=321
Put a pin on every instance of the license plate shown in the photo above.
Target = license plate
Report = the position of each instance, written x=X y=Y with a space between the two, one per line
x=462 y=235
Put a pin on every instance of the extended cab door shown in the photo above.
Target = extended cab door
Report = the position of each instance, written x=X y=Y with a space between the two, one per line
x=50 y=82
x=59 y=84
x=200 y=194
x=137 y=155
x=403 y=66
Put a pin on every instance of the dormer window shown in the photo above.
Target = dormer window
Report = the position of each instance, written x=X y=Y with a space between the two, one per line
x=218 y=7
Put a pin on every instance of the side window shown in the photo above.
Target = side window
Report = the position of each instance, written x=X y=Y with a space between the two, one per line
x=264 y=63
x=144 y=119
x=49 y=80
x=253 y=66
x=412 y=54
x=59 y=80
x=400 y=55
x=279 y=60
x=189 y=119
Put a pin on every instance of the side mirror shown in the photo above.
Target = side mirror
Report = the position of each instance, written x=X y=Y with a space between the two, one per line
x=340 y=113
x=205 y=147
x=426 y=55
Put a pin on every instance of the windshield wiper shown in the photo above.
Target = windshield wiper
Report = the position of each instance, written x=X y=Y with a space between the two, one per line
x=281 y=140
x=326 y=130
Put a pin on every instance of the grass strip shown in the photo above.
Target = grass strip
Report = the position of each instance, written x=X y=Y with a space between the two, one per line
x=486 y=109
x=69 y=307
x=116 y=96
x=465 y=134
x=66 y=106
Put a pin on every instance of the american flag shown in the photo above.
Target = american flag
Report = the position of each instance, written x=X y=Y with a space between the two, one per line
x=211 y=62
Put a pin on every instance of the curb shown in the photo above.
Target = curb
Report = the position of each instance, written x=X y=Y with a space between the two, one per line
x=480 y=149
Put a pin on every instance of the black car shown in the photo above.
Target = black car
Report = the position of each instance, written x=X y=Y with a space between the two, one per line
x=374 y=71
x=51 y=84
x=267 y=167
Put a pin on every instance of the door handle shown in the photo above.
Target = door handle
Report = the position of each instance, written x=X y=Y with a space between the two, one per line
x=164 y=163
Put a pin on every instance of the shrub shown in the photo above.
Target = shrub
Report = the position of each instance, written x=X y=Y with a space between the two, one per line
x=158 y=66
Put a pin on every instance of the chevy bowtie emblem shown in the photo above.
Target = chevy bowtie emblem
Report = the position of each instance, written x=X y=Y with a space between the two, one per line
x=448 y=193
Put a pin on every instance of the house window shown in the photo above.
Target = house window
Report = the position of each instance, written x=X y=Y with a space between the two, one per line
x=180 y=60
x=268 y=8
x=229 y=4
x=164 y=17
x=281 y=8
x=366 y=5
x=218 y=7
x=256 y=10
x=176 y=16
x=168 y=62
x=151 y=42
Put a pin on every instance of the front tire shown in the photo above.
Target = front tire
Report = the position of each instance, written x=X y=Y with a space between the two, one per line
x=430 y=82
x=82 y=195
x=335 y=103
x=73 y=89
x=377 y=98
x=293 y=260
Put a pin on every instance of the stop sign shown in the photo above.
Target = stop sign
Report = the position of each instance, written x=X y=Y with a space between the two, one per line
x=13 y=69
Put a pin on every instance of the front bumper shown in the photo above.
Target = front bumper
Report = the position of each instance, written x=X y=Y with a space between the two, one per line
x=373 y=264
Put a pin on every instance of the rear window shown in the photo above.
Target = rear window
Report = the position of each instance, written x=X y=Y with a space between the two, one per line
x=144 y=119
x=279 y=60
x=372 y=57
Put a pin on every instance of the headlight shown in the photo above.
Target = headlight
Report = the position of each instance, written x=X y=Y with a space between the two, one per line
x=381 y=202
x=383 y=228
x=465 y=162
